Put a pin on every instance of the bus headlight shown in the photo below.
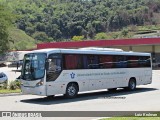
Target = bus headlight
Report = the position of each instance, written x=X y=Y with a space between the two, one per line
x=40 y=83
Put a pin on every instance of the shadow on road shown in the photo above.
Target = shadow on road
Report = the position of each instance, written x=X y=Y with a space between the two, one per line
x=86 y=96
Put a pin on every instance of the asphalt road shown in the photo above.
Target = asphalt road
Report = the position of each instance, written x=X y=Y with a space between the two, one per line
x=144 y=98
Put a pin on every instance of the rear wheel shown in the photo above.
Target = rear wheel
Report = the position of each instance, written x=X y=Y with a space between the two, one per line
x=132 y=84
x=71 y=90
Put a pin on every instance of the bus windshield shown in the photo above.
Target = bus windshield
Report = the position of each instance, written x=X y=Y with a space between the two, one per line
x=33 y=66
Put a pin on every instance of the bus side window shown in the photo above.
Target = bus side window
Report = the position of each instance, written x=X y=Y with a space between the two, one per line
x=71 y=61
x=90 y=62
x=85 y=62
x=80 y=62
x=148 y=62
x=93 y=62
x=120 y=62
x=54 y=64
x=132 y=61
x=144 y=61
x=106 y=61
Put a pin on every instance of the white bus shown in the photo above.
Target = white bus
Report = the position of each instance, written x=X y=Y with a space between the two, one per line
x=49 y=72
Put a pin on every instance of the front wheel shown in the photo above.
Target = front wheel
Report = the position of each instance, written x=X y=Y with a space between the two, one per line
x=132 y=84
x=71 y=90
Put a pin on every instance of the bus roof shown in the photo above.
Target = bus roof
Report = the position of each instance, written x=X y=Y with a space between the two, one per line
x=102 y=51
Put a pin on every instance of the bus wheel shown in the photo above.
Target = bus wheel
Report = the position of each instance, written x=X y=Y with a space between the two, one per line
x=112 y=89
x=132 y=84
x=72 y=90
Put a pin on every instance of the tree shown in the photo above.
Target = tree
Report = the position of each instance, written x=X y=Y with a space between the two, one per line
x=124 y=32
x=40 y=36
x=4 y=42
x=63 y=19
x=77 y=38
x=6 y=19
x=101 y=36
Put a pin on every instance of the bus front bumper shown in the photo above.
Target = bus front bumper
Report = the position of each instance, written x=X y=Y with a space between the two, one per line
x=40 y=90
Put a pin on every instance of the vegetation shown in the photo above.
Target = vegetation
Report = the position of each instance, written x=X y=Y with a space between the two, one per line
x=101 y=36
x=132 y=118
x=6 y=19
x=77 y=38
x=6 y=91
x=11 y=87
x=59 y=20
x=20 y=40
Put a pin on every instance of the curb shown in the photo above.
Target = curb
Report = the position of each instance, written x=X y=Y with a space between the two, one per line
x=10 y=94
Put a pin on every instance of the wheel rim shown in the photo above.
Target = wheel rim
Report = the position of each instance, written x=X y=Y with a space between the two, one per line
x=71 y=91
x=132 y=85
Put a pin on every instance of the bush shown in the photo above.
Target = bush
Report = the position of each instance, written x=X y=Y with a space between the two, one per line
x=5 y=85
x=12 y=85
x=42 y=36
x=124 y=32
x=77 y=38
x=101 y=36
x=18 y=84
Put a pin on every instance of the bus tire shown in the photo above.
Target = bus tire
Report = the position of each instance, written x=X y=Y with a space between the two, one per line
x=112 y=89
x=132 y=84
x=71 y=90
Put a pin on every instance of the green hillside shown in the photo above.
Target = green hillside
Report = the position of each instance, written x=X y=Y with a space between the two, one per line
x=61 y=20
x=20 y=40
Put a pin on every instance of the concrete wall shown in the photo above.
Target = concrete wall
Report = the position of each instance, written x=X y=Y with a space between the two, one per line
x=142 y=49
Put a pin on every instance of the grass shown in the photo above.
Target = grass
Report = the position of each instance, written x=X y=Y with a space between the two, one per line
x=20 y=40
x=132 y=118
x=135 y=118
x=6 y=91
x=11 y=87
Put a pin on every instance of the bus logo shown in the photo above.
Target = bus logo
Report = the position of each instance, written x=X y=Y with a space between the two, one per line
x=72 y=75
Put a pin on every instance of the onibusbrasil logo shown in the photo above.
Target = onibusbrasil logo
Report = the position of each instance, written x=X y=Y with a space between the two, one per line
x=21 y=114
